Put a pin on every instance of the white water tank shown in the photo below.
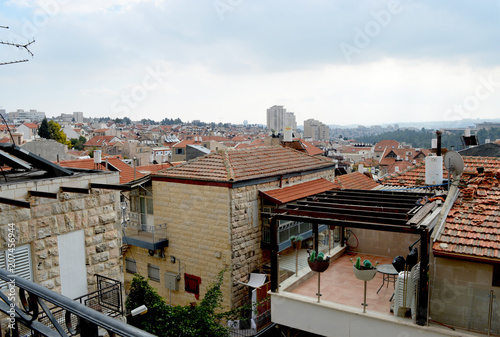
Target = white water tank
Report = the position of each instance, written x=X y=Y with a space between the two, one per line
x=97 y=157
x=433 y=170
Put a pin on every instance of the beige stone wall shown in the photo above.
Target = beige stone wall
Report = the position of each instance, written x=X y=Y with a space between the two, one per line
x=460 y=294
x=98 y=214
x=384 y=243
x=197 y=219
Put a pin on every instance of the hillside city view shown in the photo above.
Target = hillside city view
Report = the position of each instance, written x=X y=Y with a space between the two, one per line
x=246 y=169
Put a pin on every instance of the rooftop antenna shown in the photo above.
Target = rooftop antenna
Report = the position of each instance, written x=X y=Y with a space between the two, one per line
x=20 y=46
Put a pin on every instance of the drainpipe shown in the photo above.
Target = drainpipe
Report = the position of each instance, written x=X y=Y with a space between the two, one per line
x=490 y=311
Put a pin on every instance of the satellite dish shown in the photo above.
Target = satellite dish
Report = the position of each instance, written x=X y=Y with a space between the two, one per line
x=454 y=163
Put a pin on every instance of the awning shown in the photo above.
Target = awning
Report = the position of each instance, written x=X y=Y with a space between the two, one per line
x=291 y=193
x=256 y=280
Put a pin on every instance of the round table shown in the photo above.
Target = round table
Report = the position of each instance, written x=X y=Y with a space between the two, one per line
x=389 y=274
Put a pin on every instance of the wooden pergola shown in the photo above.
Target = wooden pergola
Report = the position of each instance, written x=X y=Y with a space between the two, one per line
x=391 y=211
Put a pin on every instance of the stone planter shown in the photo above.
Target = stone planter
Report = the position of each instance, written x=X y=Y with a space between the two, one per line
x=318 y=266
x=364 y=274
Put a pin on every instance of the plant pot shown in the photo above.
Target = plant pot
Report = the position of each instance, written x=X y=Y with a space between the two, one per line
x=364 y=274
x=297 y=244
x=318 y=266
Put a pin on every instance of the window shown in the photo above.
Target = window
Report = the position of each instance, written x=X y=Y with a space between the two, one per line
x=154 y=272
x=19 y=261
x=496 y=275
x=130 y=265
x=179 y=151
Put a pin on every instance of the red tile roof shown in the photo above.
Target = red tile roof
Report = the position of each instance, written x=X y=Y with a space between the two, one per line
x=31 y=125
x=244 y=164
x=355 y=181
x=99 y=140
x=389 y=143
x=290 y=193
x=146 y=169
x=472 y=227
x=185 y=143
x=126 y=171
x=310 y=148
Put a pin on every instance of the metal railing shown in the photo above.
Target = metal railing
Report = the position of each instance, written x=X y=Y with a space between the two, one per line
x=66 y=317
x=134 y=227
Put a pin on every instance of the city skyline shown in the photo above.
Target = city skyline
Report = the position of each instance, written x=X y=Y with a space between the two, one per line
x=227 y=61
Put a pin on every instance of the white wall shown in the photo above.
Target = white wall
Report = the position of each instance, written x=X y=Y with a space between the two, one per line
x=331 y=319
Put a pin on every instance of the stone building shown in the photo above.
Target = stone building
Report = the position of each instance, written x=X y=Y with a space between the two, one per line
x=210 y=208
x=65 y=231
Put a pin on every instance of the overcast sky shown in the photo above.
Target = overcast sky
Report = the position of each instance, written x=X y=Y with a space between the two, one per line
x=341 y=62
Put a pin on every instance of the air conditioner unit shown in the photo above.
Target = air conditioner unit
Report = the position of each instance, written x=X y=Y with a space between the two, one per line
x=158 y=253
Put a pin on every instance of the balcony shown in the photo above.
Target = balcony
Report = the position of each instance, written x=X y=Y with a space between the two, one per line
x=340 y=311
x=152 y=237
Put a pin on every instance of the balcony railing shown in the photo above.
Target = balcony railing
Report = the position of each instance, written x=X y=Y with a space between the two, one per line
x=151 y=237
x=287 y=229
x=48 y=313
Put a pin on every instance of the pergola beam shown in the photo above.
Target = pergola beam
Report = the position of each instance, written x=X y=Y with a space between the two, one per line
x=343 y=210
x=327 y=203
x=311 y=213
x=365 y=202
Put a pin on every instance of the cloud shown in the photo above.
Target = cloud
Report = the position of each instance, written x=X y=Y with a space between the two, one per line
x=412 y=61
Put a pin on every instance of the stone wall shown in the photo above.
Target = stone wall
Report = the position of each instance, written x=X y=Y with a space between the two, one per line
x=198 y=230
x=460 y=294
x=383 y=243
x=96 y=213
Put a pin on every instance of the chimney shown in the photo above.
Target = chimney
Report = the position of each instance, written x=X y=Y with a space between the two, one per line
x=438 y=135
x=288 y=134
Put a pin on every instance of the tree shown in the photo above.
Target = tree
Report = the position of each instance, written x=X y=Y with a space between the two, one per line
x=163 y=320
x=43 y=129
x=57 y=134
x=77 y=143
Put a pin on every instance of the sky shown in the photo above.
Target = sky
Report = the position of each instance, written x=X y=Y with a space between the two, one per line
x=340 y=62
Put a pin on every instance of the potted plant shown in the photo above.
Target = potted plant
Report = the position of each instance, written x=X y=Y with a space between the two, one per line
x=365 y=271
x=296 y=241
x=318 y=262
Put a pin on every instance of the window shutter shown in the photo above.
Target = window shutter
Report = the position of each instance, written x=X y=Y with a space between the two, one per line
x=20 y=263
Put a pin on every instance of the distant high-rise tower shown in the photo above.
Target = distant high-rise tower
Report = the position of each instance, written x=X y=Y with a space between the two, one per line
x=316 y=130
x=278 y=118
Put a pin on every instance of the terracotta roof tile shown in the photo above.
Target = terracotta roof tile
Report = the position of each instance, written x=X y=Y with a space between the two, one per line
x=356 y=181
x=126 y=171
x=299 y=191
x=472 y=226
x=244 y=164
x=99 y=140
